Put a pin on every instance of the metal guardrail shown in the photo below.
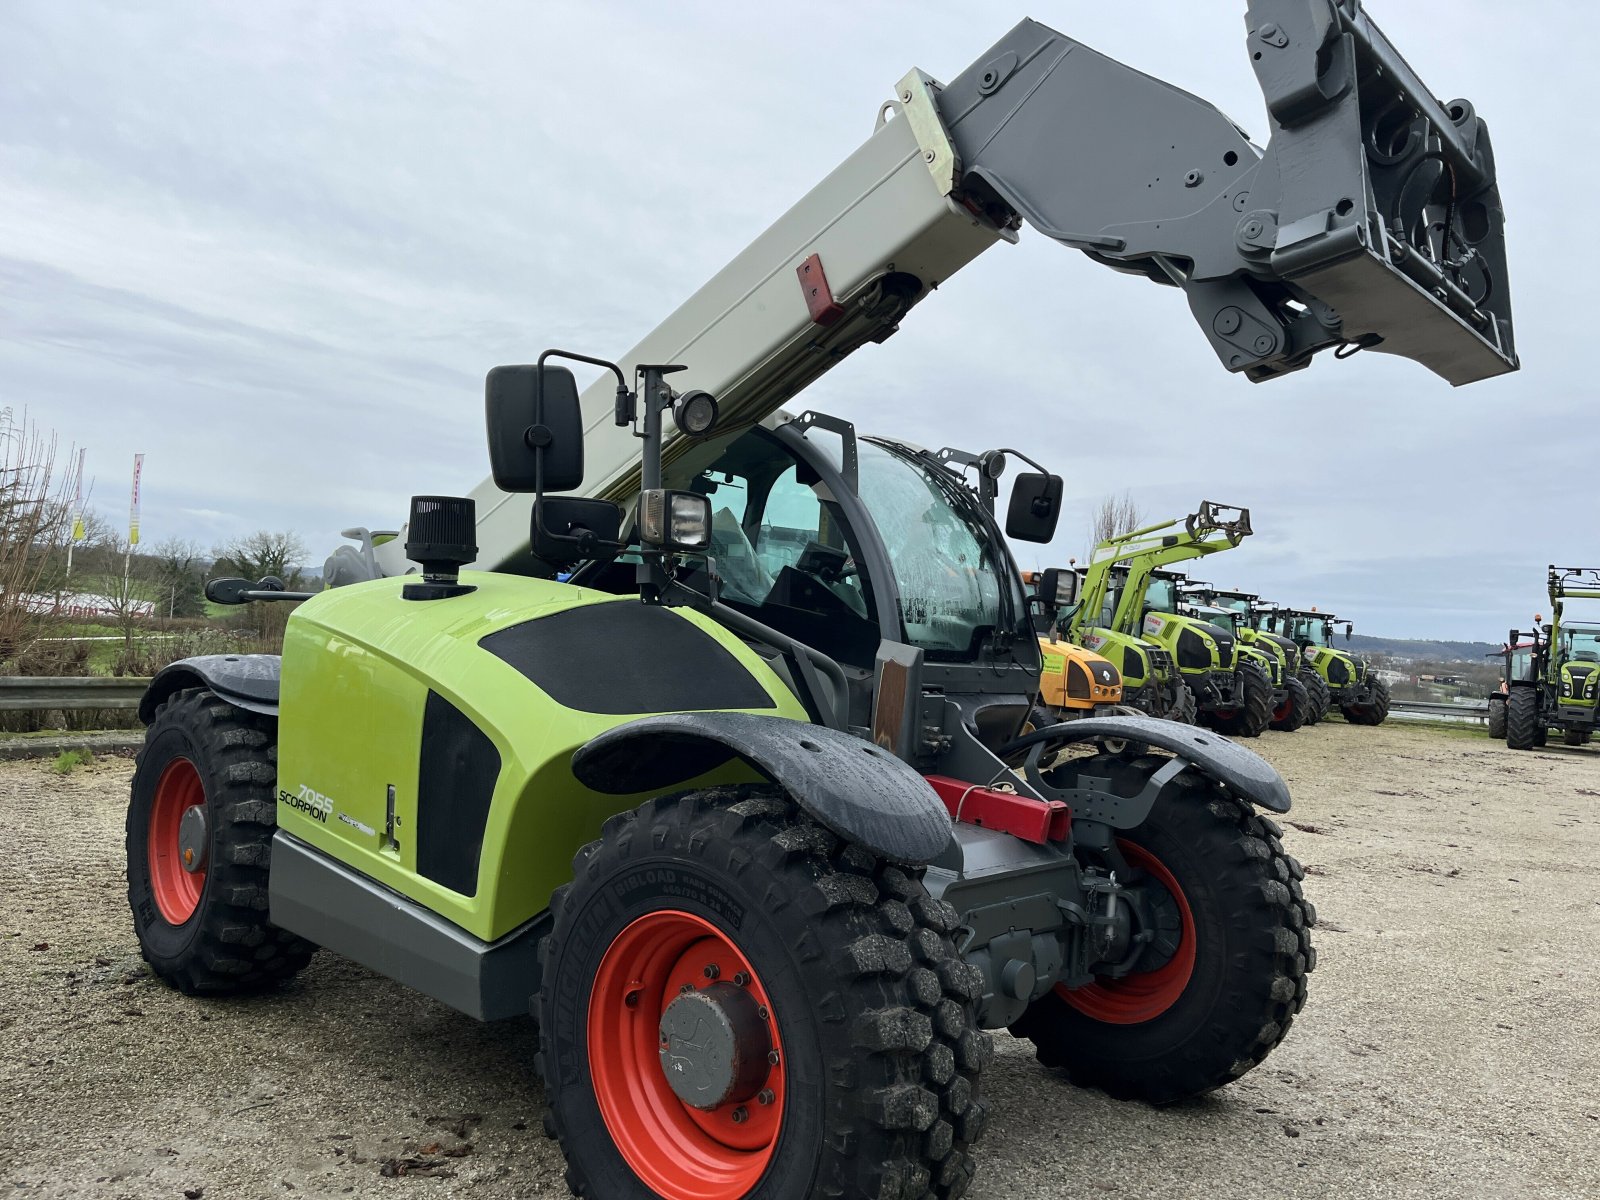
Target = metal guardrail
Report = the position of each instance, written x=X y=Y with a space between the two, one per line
x=20 y=693
x=1465 y=712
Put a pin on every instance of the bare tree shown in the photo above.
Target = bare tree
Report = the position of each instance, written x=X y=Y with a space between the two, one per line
x=124 y=593
x=33 y=521
x=1115 y=516
x=263 y=553
x=175 y=573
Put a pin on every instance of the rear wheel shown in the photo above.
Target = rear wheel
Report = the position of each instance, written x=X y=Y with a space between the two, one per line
x=736 y=1004
x=1228 y=957
x=1497 y=718
x=1523 y=724
x=199 y=843
x=1374 y=710
x=1296 y=707
x=1575 y=737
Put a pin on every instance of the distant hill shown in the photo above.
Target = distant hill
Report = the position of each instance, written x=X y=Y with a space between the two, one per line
x=1417 y=648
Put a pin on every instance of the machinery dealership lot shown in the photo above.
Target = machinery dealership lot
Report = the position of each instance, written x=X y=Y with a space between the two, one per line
x=1450 y=1045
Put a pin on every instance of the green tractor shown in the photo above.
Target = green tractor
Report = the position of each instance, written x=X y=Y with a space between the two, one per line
x=1292 y=702
x=1150 y=680
x=1560 y=688
x=765 y=851
x=1125 y=592
x=1361 y=694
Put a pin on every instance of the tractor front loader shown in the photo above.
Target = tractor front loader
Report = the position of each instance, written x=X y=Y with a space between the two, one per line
x=722 y=772
x=1359 y=692
x=1557 y=685
x=1129 y=596
x=1293 y=704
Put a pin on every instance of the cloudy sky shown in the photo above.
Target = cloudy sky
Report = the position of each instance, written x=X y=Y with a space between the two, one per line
x=276 y=246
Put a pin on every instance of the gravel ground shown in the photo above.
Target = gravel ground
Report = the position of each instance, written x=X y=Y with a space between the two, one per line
x=1451 y=1045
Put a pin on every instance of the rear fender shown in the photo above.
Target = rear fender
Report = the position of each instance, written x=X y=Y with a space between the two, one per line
x=1243 y=772
x=248 y=681
x=857 y=790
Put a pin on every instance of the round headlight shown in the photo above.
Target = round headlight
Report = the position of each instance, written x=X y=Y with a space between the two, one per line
x=694 y=413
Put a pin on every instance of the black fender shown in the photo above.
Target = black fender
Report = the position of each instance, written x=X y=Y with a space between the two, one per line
x=1243 y=772
x=857 y=790
x=248 y=681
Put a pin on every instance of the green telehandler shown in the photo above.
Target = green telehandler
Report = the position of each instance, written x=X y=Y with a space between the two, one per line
x=719 y=770
x=1360 y=693
x=1293 y=704
x=1124 y=596
x=1559 y=685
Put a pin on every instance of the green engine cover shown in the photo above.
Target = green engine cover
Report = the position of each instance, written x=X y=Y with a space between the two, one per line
x=437 y=766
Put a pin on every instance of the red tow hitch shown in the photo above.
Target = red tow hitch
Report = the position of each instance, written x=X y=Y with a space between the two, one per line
x=1037 y=821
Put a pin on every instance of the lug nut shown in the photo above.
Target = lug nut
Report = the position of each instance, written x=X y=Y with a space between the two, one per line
x=741 y=1115
x=762 y=1012
x=772 y=1057
x=765 y=1096
x=742 y=978
x=711 y=971
x=686 y=989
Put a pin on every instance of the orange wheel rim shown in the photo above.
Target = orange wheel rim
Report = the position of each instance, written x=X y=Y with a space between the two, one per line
x=680 y=1151
x=1141 y=997
x=177 y=888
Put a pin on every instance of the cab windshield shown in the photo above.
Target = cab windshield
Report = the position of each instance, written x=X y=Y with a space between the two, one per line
x=1314 y=630
x=1522 y=663
x=1580 y=643
x=1161 y=596
x=940 y=553
x=1222 y=618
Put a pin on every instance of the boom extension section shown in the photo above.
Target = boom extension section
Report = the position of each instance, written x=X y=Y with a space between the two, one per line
x=1371 y=219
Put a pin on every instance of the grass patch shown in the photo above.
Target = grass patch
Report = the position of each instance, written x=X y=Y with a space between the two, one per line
x=69 y=761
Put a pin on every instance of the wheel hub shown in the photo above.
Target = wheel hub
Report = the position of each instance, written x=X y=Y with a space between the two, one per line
x=192 y=840
x=715 y=1046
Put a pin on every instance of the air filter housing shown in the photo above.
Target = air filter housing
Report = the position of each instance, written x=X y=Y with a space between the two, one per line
x=441 y=538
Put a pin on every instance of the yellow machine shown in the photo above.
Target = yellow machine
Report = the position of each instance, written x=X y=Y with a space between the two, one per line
x=1075 y=682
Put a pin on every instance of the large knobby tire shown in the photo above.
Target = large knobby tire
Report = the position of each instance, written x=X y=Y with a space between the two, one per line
x=875 y=1091
x=1523 y=722
x=1497 y=718
x=1374 y=711
x=1575 y=737
x=1235 y=977
x=1321 y=697
x=203 y=791
x=1255 y=710
x=1294 y=710
x=1183 y=707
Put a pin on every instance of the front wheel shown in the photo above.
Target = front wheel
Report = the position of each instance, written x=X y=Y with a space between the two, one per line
x=1524 y=726
x=1575 y=737
x=1374 y=710
x=736 y=1004
x=1296 y=707
x=199 y=841
x=1230 y=952
x=1321 y=697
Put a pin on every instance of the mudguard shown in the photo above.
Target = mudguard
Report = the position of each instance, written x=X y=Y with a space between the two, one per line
x=857 y=790
x=1243 y=772
x=249 y=681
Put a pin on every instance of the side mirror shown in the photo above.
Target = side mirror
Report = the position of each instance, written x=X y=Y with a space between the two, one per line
x=526 y=426
x=228 y=591
x=568 y=529
x=1347 y=628
x=1035 y=507
x=1058 y=587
